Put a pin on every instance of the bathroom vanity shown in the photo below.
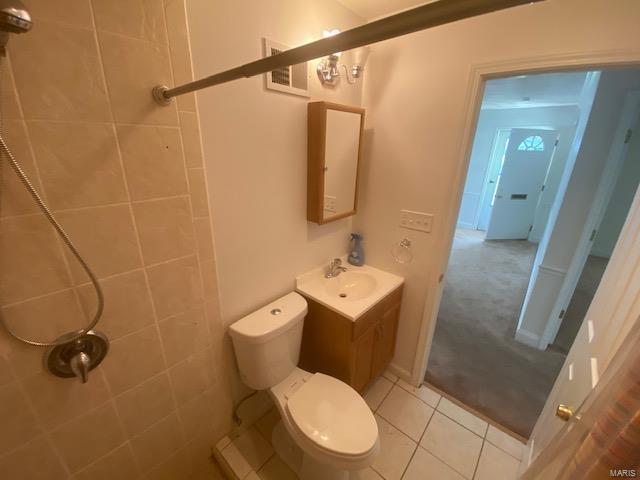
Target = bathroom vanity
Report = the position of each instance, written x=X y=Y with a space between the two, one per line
x=350 y=329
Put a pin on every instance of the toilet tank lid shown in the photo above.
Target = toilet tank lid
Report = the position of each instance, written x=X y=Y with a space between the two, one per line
x=270 y=320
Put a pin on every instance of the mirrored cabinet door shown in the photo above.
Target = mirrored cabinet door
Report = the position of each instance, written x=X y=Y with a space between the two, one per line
x=334 y=149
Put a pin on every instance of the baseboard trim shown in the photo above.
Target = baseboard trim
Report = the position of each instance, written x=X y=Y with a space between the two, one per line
x=527 y=337
x=401 y=373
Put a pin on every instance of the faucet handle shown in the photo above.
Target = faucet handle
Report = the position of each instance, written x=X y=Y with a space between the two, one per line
x=80 y=364
x=336 y=262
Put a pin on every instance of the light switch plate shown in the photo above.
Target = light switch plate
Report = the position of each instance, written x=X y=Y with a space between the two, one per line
x=330 y=203
x=416 y=220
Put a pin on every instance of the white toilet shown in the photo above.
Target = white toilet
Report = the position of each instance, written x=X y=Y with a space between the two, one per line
x=328 y=428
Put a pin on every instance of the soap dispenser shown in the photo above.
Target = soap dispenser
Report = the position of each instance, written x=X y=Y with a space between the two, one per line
x=356 y=254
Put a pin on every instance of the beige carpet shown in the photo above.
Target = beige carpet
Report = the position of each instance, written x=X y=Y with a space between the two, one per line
x=474 y=356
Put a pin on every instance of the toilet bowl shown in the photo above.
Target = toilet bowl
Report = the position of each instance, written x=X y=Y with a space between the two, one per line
x=323 y=417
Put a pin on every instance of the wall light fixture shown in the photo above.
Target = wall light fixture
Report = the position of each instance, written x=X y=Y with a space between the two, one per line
x=328 y=68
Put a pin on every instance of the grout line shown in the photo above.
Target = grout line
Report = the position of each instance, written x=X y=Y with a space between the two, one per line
x=475 y=470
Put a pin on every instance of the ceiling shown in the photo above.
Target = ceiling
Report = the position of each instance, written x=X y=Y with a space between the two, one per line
x=370 y=9
x=542 y=90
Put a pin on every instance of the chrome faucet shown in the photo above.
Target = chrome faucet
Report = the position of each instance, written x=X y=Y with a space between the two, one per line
x=335 y=268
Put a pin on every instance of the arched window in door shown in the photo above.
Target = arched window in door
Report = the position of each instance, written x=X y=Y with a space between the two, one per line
x=534 y=143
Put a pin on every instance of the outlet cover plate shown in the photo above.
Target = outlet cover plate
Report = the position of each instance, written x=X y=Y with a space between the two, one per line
x=419 y=221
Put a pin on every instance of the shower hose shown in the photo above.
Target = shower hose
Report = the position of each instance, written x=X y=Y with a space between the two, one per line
x=15 y=165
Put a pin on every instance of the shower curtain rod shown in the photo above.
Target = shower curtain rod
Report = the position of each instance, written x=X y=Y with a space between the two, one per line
x=409 y=21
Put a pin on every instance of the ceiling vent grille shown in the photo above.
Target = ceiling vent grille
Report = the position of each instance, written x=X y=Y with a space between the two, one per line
x=293 y=79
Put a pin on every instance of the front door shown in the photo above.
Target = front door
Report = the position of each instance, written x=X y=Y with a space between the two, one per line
x=520 y=183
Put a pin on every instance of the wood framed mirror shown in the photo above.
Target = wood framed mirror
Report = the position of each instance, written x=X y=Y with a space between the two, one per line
x=334 y=153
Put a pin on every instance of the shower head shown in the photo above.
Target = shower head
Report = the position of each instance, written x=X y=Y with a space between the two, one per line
x=14 y=17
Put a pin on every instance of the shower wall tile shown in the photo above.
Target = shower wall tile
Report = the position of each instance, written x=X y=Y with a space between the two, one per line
x=144 y=19
x=67 y=86
x=145 y=404
x=78 y=163
x=30 y=259
x=127 y=306
x=15 y=199
x=125 y=178
x=77 y=453
x=153 y=161
x=133 y=67
x=105 y=236
x=19 y=425
x=165 y=229
x=34 y=461
x=133 y=359
x=71 y=12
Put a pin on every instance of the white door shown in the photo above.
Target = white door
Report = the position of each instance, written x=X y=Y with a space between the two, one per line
x=520 y=183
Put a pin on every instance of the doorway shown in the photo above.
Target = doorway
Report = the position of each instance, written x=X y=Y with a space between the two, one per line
x=475 y=356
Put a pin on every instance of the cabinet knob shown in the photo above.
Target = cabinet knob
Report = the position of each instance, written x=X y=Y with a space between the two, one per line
x=564 y=413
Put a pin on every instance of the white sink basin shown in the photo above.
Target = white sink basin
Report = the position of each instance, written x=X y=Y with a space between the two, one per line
x=352 y=286
x=351 y=293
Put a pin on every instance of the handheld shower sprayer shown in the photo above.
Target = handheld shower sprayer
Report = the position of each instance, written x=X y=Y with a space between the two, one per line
x=14 y=18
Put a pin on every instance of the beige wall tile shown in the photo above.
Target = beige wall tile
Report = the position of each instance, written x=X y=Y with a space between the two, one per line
x=18 y=423
x=106 y=238
x=133 y=67
x=127 y=304
x=184 y=334
x=15 y=198
x=30 y=259
x=191 y=139
x=116 y=465
x=175 y=286
x=133 y=359
x=158 y=442
x=6 y=374
x=202 y=465
x=165 y=229
x=8 y=95
x=58 y=400
x=34 y=461
x=198 y=189
x=153 y=161
x=45 y=318
x=88 y=437
x=191 y=377
x=172 y=468
x=144 y=19
x=179 y=42
x=209 y=279
x=73 y=12
x=21 y=357
x=78 y=163
x=198 y=415
x=204 y=238
x=59 y=87
x=145 y=404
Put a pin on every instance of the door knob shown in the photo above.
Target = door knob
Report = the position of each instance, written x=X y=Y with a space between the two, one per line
x=564 y=413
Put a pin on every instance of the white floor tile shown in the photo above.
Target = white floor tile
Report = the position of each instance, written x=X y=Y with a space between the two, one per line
x=460 y=415
x=425 y=466
x=405 y=412
x=453 y=444
x=266 y=423
x=392 y=377
x=276 y=469
x=236 y=461
x=366 y=474
x=376 y=392
x=424 y=393
x=254 y=448
x=395 y=451
x=505 y=442
x=494 y=464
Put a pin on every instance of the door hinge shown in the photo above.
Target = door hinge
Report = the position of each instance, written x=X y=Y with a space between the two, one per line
x=562 y=312
x=555 y=144
x=627 y=136
x=530 y=228
x=593 y=235
x=542 y=189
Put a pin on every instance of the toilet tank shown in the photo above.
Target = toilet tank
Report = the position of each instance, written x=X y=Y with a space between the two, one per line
x=267 y=342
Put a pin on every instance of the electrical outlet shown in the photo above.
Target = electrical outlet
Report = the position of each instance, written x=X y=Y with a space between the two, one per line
x=416 y=220
x=330 y=203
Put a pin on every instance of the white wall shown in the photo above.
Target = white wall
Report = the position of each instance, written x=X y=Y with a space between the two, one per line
x=255 y=143
x=415 y=95
x=488 y=124
x=620 y=201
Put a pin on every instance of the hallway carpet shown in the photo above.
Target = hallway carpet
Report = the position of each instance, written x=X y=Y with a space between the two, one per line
x=474 y=356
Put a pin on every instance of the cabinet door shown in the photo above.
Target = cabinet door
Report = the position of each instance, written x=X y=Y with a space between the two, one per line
x=385 y=340
x=361 y=358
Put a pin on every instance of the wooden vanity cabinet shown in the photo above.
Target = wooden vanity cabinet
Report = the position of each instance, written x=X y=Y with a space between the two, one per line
x=355 y=352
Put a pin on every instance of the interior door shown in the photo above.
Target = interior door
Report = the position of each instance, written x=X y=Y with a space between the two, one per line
x=520 y=183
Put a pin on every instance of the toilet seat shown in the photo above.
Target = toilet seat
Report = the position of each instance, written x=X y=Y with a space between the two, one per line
x=333 y=417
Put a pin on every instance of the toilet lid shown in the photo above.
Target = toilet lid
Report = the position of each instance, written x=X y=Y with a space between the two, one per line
x=333 y=415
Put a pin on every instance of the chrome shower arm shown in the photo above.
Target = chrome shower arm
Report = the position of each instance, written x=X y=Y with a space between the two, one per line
x=409 y=21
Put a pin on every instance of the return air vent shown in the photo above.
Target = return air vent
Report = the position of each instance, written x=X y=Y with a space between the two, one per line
x=293 y=79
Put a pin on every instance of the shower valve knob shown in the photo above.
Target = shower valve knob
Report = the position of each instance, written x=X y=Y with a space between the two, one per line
x=80 y=364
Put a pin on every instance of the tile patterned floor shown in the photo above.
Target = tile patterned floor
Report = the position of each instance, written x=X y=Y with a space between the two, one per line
x=422 y=436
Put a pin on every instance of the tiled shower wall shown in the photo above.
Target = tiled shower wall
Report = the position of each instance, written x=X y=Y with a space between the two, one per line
x=125 y=178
